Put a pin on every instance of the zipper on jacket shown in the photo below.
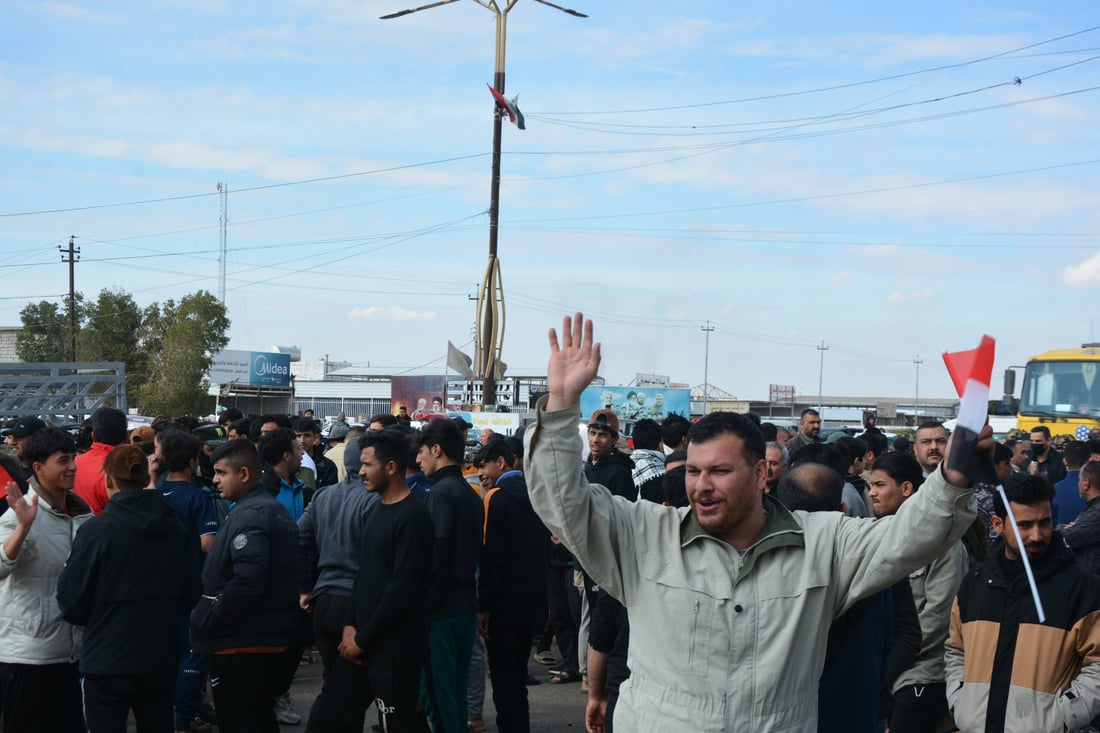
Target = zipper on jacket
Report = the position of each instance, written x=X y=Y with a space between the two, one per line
x=694 y=627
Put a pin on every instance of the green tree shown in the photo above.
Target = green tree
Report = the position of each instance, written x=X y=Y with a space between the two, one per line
x=46 y=328
x=181 y=340
x=111 y=332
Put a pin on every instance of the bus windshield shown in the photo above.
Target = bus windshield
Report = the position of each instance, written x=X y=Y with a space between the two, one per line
x=1060 y=388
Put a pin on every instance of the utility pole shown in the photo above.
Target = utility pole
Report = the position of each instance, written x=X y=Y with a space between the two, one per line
x=821 y=375
x=706 y=369
x=916 y=393
x=490 y=307
x=71 y=258
x=223 y=243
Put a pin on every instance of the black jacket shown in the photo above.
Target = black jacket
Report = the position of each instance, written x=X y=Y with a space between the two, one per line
x=1055 y=466
x=515 y=556
x=250 y=580
x=614 y=472
x=1016 y=668
x=390 y=590
x=458 y=519
x=128 y=578
x=327 y=475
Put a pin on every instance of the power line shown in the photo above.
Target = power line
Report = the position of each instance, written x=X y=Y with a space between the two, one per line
x=249 y=188
x=824 y=196
x=841 y=116
x=830 y=88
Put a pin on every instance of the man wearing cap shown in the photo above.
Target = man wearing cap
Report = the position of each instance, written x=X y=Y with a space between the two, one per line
x=18 y=431
x=108 y=430
x=606 y=465
x=337 y=440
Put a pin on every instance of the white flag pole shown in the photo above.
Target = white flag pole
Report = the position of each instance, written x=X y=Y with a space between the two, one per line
x=1023 y=555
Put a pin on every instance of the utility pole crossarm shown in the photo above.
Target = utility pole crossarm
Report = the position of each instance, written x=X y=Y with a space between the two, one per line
x=572 y=12
x=409 y=11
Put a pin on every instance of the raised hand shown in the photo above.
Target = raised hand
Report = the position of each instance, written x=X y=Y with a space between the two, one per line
x=573 y=364
x=24 y=512
x=984 y=445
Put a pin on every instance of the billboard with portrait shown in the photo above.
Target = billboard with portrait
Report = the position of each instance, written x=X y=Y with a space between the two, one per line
x=422 y=396
x=635 y=403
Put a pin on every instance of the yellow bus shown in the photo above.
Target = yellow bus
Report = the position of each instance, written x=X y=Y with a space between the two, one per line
x=1060 y=390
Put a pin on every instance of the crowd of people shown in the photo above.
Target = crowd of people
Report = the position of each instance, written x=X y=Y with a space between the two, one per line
x=716 y=575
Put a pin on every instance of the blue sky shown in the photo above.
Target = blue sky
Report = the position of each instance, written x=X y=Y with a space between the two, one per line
x=856 y=173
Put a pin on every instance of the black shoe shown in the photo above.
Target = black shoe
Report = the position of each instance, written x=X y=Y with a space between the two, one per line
x=532 y=680
x=207 y=712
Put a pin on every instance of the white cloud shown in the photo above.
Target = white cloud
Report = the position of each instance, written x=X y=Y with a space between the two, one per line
x=899 y=297
x=1083 y=274
x=840 y=277
x=390 y=313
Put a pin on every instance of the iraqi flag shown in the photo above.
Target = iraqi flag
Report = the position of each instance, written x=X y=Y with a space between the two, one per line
x=971 y=372
x=509 y=107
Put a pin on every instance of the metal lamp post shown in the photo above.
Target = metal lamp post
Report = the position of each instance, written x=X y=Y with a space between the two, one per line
x=489 y=339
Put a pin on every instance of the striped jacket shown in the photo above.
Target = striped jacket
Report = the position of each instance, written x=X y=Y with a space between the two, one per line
x=1008 y=673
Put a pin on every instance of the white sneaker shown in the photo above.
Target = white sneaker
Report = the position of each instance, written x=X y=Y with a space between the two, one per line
x=285 y=712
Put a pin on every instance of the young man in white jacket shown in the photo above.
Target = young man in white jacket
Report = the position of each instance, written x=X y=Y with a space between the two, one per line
x=39 y=679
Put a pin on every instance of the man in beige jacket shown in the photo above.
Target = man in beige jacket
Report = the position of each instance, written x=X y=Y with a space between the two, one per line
x=729 y=600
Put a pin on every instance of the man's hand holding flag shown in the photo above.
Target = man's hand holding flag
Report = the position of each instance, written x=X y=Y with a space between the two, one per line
x=971 y=372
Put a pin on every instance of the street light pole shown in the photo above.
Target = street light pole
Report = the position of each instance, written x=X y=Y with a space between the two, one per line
x=821 y=374
x=916 y=393
x=706 y=369
x=489 y=340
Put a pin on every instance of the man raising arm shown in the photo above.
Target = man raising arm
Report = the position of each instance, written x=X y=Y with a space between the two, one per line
x=730 y=599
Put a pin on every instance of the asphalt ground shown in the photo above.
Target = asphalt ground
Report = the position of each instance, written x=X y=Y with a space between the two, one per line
x=554 y=708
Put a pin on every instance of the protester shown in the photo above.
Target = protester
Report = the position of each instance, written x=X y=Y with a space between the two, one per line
x=1045 y=461
x=1083 y=534
x=511 y=591
x=920 y=692
x=39 y=679
x=130 y=569
x=330 y=539
x=458 y=520
x=108 y=430
x=1068 y=502
x=606 y=464
x=859 y=641
x=649 y=461
x=809 y=430
x=246 y=617
x=282 y=477
x=754 y=664
x=385 y=641
x=179 y=454
x=1006 y=670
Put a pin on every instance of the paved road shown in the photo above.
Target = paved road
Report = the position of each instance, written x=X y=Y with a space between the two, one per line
x=554 y=708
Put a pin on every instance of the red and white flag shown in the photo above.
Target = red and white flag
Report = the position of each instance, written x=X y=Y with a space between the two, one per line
x=509 y=107
x=971 y=372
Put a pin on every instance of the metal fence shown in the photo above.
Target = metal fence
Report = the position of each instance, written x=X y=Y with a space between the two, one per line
x=63 y=391
x=354 y=409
